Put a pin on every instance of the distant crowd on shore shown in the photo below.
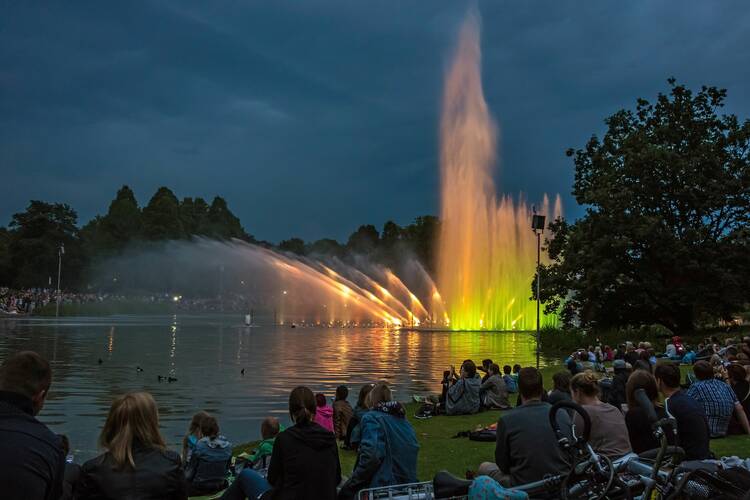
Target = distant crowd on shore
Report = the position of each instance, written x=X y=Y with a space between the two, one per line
x=302 y=460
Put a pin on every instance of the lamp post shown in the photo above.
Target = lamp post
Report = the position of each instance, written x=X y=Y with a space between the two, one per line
x=60 y=252
x=537 y=225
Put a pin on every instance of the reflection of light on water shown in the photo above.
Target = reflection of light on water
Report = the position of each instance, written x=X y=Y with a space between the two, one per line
x=111 y=342
x=173 y=347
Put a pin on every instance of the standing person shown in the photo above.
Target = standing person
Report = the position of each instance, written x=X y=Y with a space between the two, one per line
x=342 y=412
x=718 y=399
x=526 y=449
x=493 y=392
x=32 y=462
x=609 y=433
x=639 y=427
x=463 y=396
x=206 y=472
x=388 y=451
x=324 y=413
x=136 y=463
x=692 y=425
x=304 y=461
x=561 y=390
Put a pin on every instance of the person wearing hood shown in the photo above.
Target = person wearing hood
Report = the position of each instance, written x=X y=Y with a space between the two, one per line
x=463 y=396
x=206 y=471
x=304 y=460
x=388 y=450
x=323 y=413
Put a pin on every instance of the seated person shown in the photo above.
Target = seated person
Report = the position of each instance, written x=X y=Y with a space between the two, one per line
x=342 y=412
x=324 y=413
x=486 y=363
x=639 y=427
x=609 y=433
x=136 y=463
x=31 y=457
x=692 y=425
x=493 y=392
x=526 y=449
x=738 y=380
x=718 y=400
x=353 y=432
x=192 y=436
x=510 y=380
x=463 y=395
x=387 y=453
x=561 y=390
x=261 y=456
x=206 y=471
x=304 y=461
x=616 y=395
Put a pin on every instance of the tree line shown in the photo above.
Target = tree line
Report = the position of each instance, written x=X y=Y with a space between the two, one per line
x=29 y=246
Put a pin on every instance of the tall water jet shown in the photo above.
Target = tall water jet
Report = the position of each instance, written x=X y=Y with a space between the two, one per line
x=487 y=251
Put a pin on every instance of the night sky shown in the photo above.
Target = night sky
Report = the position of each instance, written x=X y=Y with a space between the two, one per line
x=312 y=118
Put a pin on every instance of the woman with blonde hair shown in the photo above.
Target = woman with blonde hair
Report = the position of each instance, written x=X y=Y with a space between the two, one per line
x=136 y=463
x=609 y=433
x=387 y=453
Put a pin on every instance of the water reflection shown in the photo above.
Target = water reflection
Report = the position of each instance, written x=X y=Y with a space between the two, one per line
x=206 y=354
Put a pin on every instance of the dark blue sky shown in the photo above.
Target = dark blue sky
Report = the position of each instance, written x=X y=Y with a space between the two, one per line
x=311 y=117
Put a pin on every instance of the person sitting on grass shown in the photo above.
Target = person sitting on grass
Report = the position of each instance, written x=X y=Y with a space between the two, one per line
x=354 y=432
x=192 y=436
x=486 y=363
x=209 y=463
x=561 y=390
x=718 y=400
x=510 y=381
x=324 y=413
x=31 y=457
x=463 y=396
x=609 y=433
x=493 y=392
x=304 y=462
x=692 y=425
x=388 y=450
x=639 y=427
x=342 y=412
x=137 y=463
x=738 y=380
x=526 y=449
x=261 y=456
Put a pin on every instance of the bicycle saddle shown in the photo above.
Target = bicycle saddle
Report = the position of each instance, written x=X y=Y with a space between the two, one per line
x=446 y=485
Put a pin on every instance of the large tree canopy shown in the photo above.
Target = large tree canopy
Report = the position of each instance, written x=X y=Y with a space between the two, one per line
x=665 y=236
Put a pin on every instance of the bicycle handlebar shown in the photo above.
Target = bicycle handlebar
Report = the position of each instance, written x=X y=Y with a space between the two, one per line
x=569 y=405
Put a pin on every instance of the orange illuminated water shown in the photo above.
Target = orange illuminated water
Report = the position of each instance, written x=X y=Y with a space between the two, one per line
x=487 y=251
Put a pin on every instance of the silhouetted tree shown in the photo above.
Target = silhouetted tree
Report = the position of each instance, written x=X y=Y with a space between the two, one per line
x=665 y=237
x=161 y=217
x=364 y=240
x=294 y=245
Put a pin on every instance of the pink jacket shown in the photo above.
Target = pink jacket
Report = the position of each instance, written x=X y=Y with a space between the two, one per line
x=324 y=417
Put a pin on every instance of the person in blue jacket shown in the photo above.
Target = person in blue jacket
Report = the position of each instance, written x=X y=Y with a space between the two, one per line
x=388 y=449
x=206 y=471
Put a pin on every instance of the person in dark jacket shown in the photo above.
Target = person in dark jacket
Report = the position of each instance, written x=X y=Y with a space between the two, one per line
x=639 y=427
x=206 y=472
x=31 y=457
x=72 y=473
x=304 y=461
x=561 y=390
x=388 y=450
x=137 y=464
x=616 y=395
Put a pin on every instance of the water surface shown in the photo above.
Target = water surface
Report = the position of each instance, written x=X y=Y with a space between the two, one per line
x=206 y=353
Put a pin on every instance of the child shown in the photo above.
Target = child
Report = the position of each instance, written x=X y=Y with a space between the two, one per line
x=207 y=469
x=342 y=412
x=261 y=456
x=324 y=413
x=510 y=381
x=192 y=436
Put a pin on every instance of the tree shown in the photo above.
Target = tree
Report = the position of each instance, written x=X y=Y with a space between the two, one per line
x=364 y=240
x=35 y=238
x=6 y=266
x=194 y=216
x=223 y=224
x=325 y=246
x=422 y=236
x=161 y=217
x=665 y=236
x=294 y=245
x=121 y=225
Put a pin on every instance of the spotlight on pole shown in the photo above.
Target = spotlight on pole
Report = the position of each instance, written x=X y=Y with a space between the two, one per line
x=537 y=225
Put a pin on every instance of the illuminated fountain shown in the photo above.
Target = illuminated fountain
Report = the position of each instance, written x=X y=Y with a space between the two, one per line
x=487 y=251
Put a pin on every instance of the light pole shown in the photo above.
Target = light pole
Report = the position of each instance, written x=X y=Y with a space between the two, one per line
x=60 y=252
x=537 y=225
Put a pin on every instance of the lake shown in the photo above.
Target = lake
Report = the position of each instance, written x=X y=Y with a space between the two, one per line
x=206 y=353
